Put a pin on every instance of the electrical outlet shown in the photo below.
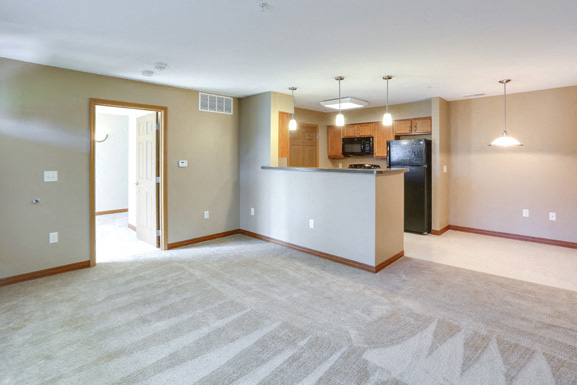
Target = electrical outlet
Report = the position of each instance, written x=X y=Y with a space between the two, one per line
x=312 y=223
x=526 y=213
x=552 y=216
x=252 y=211
x=53 y=237
x=340 y=165
x=50 y=176
x=206 y=214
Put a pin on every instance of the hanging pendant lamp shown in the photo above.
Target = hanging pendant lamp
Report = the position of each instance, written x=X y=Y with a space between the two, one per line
x=387 y=118
x=505 y=140
x=340 y=118
x=293 y=122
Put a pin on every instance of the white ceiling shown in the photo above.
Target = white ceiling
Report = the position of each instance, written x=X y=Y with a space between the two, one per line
x=447 y=48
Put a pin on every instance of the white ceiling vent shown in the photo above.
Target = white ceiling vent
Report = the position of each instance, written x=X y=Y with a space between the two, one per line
x=215 y=103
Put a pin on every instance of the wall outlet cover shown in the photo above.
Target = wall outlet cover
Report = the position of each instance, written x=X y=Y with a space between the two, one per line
x=526 y=213
x=50 y=176
x=252 y=211
x=53 y=237
x=206 y=214
x=552 y=216
x=312 y=223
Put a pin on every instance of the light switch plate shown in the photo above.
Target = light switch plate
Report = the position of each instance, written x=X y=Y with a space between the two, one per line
x=252 y=211
x=50 y=176
x=312 y=223
x=183 y=163
x=206 y=214
x=552 y=216
x=53 y=237
x=526 y=213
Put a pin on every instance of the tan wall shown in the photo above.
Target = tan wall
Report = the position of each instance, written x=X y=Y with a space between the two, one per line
x=441 y=148
x=490 y=186
x=44 y=125
x=279 y=102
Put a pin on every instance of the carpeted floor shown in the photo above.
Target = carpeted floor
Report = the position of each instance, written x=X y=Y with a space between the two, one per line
x=239 y=310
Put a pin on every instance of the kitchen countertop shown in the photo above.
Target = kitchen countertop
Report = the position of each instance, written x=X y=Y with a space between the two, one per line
x=374 y=171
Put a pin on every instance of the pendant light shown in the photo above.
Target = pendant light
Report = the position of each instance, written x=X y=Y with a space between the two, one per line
x=293 y=122
x=387 y=118
x=505 y=140
x=340 y=118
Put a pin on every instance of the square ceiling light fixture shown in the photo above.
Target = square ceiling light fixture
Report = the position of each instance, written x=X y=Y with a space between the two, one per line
x=347 y=103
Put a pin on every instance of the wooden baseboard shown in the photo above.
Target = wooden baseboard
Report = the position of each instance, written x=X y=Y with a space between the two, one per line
x=201 y=239
x=525 y=238
x=442 y=231
x=330 y=257
x=111 y=212
x=43 y=273
x=131 y=227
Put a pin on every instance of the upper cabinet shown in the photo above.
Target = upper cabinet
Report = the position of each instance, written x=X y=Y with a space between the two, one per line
x=358 y=130
x=412 y=126
x=334 y=141
x=382 y=134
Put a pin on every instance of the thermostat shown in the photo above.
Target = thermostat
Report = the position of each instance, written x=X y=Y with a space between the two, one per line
x=183 y=163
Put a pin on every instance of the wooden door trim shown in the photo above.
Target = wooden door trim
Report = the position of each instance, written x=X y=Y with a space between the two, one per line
x=161 y=207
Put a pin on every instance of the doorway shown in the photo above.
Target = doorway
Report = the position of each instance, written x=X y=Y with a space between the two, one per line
x=127 y=178
x=299 y=148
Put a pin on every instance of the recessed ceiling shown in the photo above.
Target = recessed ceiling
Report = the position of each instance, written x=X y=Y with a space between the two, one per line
x=444 y=48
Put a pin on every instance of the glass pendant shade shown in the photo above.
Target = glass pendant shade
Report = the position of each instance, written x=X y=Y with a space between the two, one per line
x=387 y=119
x=292 y=125
x=505 y=141
x=340 y=119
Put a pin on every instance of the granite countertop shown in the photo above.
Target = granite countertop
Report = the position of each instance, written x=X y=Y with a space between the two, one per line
x=375 y=171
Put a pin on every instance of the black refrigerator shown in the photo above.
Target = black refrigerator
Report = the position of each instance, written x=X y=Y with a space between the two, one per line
x=414 y=154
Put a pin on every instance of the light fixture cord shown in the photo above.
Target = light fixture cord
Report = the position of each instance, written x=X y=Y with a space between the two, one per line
x=339 y=96
x=293 y=114
x=387 y=95
x=505 y=109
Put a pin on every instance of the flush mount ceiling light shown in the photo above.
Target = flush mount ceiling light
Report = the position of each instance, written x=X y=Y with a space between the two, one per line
x=293 y=122
x=505 y=140
x=347 y=103
x=387 y=118
x=340 y=118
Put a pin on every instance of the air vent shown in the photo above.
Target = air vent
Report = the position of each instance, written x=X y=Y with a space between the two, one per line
x=215 y=103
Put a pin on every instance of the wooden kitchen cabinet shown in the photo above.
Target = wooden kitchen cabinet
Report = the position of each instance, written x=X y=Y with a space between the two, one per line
x=334 y=141
x=402 y=127
x=422 y=125
x=382 y=134
x=415 y=126
x=358 y=130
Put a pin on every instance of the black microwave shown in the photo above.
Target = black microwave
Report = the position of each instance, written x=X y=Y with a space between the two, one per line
x=358 y=146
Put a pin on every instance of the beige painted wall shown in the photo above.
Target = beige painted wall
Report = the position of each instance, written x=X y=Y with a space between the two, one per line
x=44 y=125
x=441 y=149
x=490 y=186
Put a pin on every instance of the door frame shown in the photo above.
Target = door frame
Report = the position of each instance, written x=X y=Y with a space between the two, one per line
x=161 y=200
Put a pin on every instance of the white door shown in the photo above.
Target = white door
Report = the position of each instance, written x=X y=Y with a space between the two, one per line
x=146 y=178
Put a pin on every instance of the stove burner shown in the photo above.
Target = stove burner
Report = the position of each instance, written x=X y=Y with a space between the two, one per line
x=364 y=165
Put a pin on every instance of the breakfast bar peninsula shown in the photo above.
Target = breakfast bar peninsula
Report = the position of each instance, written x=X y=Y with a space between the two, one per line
x=354 y=217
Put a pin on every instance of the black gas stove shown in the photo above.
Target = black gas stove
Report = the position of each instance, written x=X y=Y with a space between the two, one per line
x=364 y=165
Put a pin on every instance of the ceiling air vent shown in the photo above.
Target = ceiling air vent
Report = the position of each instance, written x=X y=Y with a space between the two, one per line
x=215 y=103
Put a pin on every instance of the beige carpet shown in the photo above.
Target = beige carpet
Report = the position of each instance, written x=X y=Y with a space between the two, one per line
x=242 y=311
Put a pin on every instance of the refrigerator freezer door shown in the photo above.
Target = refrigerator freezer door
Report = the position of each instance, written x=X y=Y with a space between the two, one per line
x=404 y=153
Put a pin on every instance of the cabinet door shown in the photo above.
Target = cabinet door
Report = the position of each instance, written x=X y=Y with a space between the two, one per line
x=382 y=134
x=335 y=142
x=422 y=125
x=402 y=127
x=349 y=131
x=365 y=129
